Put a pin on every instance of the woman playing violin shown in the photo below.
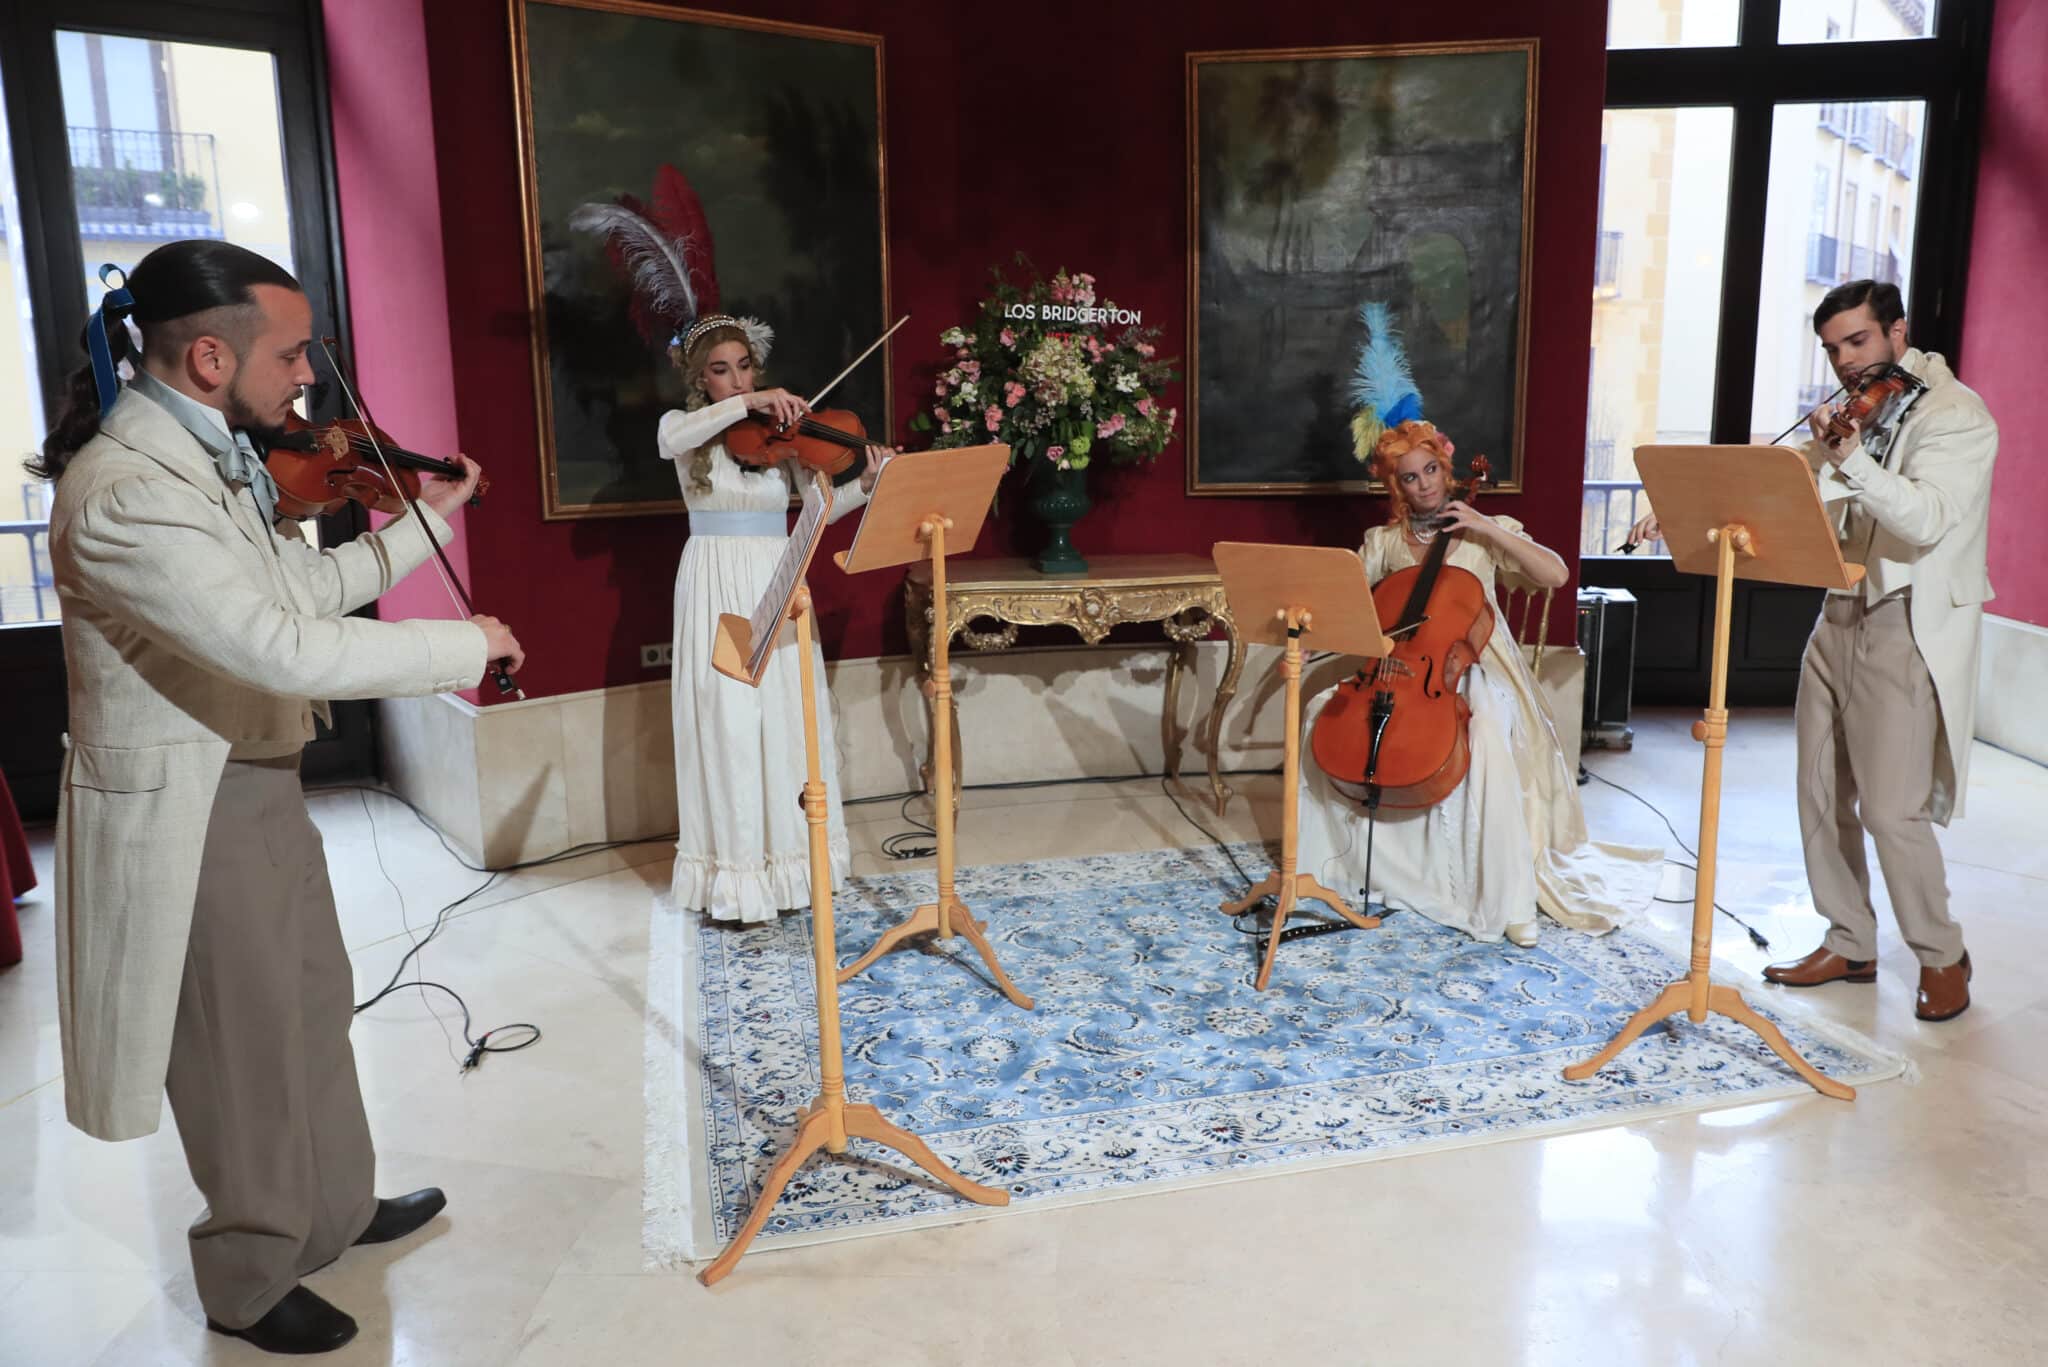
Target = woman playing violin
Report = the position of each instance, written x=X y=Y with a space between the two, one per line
x=1511 y=839
x=742 y=847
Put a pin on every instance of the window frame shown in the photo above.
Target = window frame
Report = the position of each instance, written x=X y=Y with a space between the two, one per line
x=293 y=32
x=1946 y=70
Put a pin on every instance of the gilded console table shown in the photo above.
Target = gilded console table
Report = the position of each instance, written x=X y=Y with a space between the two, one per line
x=1183 y=593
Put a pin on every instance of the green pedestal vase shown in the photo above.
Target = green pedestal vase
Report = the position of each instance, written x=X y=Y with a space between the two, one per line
x=1059 y=499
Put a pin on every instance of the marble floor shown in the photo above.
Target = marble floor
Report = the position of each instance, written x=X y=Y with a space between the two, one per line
x=1909 y=1226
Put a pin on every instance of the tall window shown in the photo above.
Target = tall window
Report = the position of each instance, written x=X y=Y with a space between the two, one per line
x=1747 y=174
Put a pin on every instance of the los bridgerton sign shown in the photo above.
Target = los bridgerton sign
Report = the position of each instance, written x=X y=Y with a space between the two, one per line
x=1073 y=313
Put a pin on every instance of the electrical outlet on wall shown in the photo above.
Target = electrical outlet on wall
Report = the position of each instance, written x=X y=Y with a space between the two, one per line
x=657 y=655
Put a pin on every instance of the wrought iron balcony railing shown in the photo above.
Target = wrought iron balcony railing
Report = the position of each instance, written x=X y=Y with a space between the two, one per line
x=139 y=183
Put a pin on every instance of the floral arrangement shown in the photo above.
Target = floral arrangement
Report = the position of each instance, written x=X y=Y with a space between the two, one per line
x=1041 y=372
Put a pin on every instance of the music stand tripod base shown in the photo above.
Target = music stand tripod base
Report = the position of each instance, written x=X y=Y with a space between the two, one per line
x=830 y=1120
x=1718 y=503
x=1282 y=592
x=917 y=501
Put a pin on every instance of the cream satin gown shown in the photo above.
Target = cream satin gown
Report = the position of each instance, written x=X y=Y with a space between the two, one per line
x=1509 y=840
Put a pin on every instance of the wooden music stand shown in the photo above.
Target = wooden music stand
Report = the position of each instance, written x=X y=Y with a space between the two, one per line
x=1277 y=593
x=1750 y=512
x=740 y=652
x=919 y=498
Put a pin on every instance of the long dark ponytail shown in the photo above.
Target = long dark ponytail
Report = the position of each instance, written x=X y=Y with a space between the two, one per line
x=177 y=280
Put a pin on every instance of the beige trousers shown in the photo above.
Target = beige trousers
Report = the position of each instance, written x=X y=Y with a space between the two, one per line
x=1867 y=726
x=262 y=1079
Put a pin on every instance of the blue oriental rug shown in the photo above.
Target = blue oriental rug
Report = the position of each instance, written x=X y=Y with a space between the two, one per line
x=1150 y=1061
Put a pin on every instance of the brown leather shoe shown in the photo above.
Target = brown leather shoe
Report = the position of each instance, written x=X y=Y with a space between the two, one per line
x=1944 y=992
x=1822 y=966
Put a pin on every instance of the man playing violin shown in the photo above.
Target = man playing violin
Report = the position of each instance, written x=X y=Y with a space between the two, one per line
x=1888 y=684
x=198 y=951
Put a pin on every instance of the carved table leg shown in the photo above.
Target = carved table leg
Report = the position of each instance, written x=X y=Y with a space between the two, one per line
x=1225 y=691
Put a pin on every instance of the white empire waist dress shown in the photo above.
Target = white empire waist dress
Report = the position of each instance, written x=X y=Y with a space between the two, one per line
x=742 y=847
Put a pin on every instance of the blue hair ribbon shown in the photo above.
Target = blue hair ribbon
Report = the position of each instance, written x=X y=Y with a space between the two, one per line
x=115 y=305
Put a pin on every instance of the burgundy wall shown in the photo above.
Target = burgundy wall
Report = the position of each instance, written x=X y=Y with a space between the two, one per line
x=1062 y=135
x=2005 y=350
x=391 y=247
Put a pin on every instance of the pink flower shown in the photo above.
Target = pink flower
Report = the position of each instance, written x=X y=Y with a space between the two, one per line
x=1147 y=350
x=1145 y=407
x=946 y=425
x=1108 y=429
x=961 y=352
x=994 y=417
x=973 y=368
x=1013 y=393
x=940 y=389
x=1007 y=338
x=1056 y=454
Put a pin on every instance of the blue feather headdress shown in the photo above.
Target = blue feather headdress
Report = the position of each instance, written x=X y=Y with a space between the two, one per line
x=1382 y=387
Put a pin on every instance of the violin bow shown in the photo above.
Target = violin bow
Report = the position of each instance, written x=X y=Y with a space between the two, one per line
x=1840 y=389
x=819 y=396
x=450 y=580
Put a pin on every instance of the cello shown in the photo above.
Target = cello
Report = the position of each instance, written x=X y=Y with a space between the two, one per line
x=1395 y=734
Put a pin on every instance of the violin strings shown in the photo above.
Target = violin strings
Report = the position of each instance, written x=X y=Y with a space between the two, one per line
x=359 y=443
x=440 y=569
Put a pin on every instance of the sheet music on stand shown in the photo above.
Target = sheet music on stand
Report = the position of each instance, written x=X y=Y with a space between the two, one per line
x=768 y=614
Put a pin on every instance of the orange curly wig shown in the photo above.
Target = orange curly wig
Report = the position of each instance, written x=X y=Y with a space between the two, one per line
x=1398 y=441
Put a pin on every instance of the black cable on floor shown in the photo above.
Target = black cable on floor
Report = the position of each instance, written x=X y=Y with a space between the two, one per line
x=1756 y=937
x=478 y=1045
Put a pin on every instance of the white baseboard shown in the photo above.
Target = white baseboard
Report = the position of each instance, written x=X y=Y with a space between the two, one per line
x=526 y=779
x=2014 y=659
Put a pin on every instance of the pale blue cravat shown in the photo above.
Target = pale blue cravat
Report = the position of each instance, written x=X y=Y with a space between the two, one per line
x=233 y=453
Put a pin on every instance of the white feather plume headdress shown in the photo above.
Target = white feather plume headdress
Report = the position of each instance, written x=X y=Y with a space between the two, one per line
x=665 y=254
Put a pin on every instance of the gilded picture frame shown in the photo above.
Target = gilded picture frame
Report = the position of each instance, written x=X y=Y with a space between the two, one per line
x=780 y=130
x=1323 y=180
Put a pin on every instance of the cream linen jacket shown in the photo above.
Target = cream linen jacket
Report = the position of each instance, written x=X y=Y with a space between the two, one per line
x=189 y=626
x=1931 y=501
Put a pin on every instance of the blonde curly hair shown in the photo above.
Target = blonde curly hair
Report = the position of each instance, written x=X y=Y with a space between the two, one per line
x=1396 y=442
x=691 y=362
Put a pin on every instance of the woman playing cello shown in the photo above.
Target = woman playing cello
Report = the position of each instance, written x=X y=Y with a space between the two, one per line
x=1511 y=838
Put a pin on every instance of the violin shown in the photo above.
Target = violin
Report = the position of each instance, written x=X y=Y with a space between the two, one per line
x=319 y=467
x=1878 y=387
x=1395 y=734
x=828 y=439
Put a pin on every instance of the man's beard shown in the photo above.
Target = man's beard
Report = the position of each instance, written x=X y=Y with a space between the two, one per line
x=241 y=414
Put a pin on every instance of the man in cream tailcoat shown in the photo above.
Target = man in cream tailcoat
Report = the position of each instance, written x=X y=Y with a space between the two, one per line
x=1888 y=685
x=198 y=951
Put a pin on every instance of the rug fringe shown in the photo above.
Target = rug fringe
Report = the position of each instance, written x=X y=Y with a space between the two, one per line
x=665 y=1202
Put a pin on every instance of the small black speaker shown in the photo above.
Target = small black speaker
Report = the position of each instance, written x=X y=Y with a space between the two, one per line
x=1607 y=635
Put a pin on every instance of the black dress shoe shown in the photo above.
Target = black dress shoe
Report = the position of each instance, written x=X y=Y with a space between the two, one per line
x=401 y=1215
x=299 y=1324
